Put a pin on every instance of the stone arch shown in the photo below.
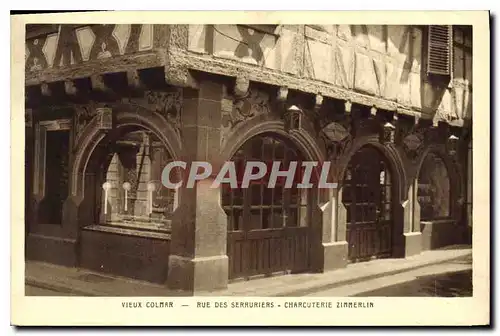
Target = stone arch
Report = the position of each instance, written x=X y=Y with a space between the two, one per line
x=305 y=142
x=77 y=208
x=453 y=169
x=388 y=151
x=124 y=116
x=398 y=178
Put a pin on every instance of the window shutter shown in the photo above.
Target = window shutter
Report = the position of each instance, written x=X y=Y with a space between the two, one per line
x=439 y=52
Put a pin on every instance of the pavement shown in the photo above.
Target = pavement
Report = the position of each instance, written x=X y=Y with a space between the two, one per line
x=52 y=280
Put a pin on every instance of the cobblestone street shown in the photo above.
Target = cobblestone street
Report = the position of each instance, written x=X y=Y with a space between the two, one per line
x=450 y=279
x=456 y=284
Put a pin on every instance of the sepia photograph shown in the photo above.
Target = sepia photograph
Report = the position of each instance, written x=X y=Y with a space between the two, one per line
x=251 y=164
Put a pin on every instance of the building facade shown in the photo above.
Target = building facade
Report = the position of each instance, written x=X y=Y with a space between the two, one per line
x=108 y=106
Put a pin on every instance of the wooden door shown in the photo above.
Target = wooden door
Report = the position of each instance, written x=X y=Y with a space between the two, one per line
x=367 y=196
x=267 y=227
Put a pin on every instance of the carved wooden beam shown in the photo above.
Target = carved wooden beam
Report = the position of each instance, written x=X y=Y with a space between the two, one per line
x=348 y=107
x=97 y=83
x=395 y=117
x=180 y=76
x=134 y=80
x=281 y=99
x=241 y=87
x=70 y=88
x=282 y=95
x=45 y=89
x=318 y=102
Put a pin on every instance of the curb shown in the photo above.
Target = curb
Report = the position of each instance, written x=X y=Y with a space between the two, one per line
x=297 y=292
x=306 y=291
x=58 y=288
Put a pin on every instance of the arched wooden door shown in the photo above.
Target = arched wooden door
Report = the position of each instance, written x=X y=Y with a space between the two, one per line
x=367 y=196
x=268 y=228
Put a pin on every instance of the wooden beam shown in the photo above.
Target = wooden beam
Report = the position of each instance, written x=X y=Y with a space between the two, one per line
x=97 y=83
x=86 y=69
x=282 y=95
x=45 y=89
x=348 y=106
x=318 y=102
x=134 y=80
x=241 y=87
x=180 y=76
x=70 y=88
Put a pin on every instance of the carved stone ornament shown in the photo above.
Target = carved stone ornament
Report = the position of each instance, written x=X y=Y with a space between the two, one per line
x=337 y=139
x=83 y=115
x=237 y=110
x=335 y=132
x=413 y=145
x=166 y=103
x=255 y=104
x=105 y=121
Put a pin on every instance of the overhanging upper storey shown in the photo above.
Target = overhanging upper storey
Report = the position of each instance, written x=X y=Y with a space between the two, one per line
x=422 y=71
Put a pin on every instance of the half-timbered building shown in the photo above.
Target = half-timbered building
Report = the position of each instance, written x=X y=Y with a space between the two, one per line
x=109 y=105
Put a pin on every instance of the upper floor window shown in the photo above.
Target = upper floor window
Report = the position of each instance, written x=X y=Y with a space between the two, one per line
x=449 y=51
x=439 y=59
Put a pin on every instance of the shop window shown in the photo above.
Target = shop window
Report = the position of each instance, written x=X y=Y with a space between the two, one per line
x=132 y=192
x=259 y=207
x=433 y=189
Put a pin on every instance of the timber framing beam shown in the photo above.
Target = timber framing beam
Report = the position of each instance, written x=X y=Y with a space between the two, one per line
x=115 y=64
x=232 y=68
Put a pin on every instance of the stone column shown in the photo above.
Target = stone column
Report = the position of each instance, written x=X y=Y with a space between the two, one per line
x=330 y=251
x=411 y=216
x=198 y=259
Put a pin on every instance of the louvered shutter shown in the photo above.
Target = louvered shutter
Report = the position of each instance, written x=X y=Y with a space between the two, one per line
x=439 y=52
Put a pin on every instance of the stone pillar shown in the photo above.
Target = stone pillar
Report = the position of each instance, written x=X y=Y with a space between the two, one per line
x=330 y=245
x=198 y=259
x=411 y=216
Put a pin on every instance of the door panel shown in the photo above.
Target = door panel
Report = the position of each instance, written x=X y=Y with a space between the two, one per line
x=367 y=196
x=265 y=252
x=267 y=227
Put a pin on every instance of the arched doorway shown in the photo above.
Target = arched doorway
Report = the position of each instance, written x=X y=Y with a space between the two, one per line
x=367 y=195
x=268 y=228
x=434 y=189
